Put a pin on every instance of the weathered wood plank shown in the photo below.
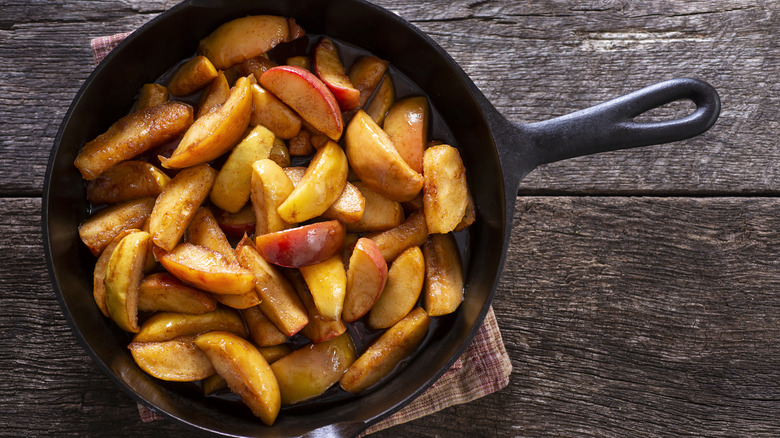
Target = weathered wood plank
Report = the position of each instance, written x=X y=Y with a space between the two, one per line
x=533 y=60
x=622 y=316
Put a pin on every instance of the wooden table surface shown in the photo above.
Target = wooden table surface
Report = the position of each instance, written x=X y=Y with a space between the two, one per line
x=641 y=290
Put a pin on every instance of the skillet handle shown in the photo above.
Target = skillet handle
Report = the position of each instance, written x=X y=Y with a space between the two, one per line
x=610 y=126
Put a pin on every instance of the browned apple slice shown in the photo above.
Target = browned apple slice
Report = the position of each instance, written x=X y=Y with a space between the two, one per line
x=445 y=195
x=374 y=159
x=380 y=213
x=300 y=145
x=245 y=38
x=382 y=100
x=214 y=95
x=236 y=225
x=245 y=370
x=123 y=275
x=162 y=292
x=132 y=135
x=309 y=371
x=272 y=113
x=273 y=353
x=321 y=185
x=164 y=326
x=98 y=231
x=406 y=123
x=304 y=92
x=299 y=61
x=396 y=344
x=99 y=273
x=262 y=331
x=193 y=75
x=178 y=202
x=178 y=360
x=279 y=303
x=233 y=184
x=349 y=206
x=470 y=216
x=412 y=232
x=270 y=186
x=319 y=329
x=205 y=231
x=239 y=301
x=280 y=153
x=404 y=284
x=256 y=66
x=443 y=291
x=329 y=68
x=206 y=269
x=365 y=74
x=151 y=95
x=126 y=181
x=302 y=246
x=216 y=132
x=366 y=279
x=327 y=282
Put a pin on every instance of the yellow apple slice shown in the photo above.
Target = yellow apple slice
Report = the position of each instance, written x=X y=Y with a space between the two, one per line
x=193 y=75
x=445 y=195
x=412 y=232
x=305 y=93
x=272 y=113
x=406 y=123
x=99 y=273
x=382 y=100
x=123 y=276
x=162 y=292
x=244 y=38
x=349 y=206
x=279 y=303
x=205 y=231
x=327 y=282
x=320 y=187
x=245 y=370
x=280 y=153
x=366 y=74
x=177 y=204
x=214 y=133
x=443 y=290
x=239 y=301
x=132 y=135
x=366 y=278
x=177 y=360
x=214 y=95
x=262 y=331
x=329 y=68
x=269 y=187
x=311 y=370
x=164 y=326
x=151 y=95
x=395 y=345
x=98 y=231
x=404 y=284
x=380 y=213
x=318 y=329
x=234 y=181
x=376 y=161
x=126 y=181
x=206 y=269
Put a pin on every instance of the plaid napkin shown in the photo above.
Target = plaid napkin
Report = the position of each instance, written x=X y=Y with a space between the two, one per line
x=482 y=369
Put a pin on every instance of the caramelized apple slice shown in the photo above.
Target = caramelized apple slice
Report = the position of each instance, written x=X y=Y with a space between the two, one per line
x=98 y=231
x=443 y=291
x=270 y=186
x=327 y=282
x=375 y=160
x=365 y=74
x=165 y=326
x=380 y=213
x=205 y=231
x=162 y=292
x=245 y=370
x=262 y=331
x=302 y=246
x=349 y=206
x=406 y=123
x=395 y=345
x=322 y=184
x=177 y=204
x=305 y=93
x=193 y=75
x=404 y=284
x=132 y=135
x=239 y=301
x=123 y=275
x=206 y=269
x=272 y=113
x=177 y=360
x=319 y=329
x=412 y=232
x=234 y=181
x=445 y=195
x=382 y=100
x=126 y=181
x=329 y=68
x=366 y=279
x=99 y=273
x=236 y=225
x=309 y=371
x=151 y=95
x=214 y=95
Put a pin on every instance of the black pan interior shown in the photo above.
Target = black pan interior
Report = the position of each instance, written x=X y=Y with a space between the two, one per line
x=171 y=37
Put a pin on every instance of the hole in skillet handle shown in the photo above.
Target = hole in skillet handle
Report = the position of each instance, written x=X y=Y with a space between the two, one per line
x=612 y=126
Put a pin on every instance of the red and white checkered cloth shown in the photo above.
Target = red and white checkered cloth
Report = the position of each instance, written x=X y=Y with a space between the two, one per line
x=482 y=369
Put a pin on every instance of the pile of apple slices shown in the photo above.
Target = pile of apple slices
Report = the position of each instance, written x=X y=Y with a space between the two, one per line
x=220 y=258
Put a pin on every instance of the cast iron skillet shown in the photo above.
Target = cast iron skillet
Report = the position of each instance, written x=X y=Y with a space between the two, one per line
x=498 y=155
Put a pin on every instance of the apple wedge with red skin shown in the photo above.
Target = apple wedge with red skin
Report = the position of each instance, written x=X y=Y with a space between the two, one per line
x=366 y=278
x=302 y=246
x=329 y=68
x=305 y=93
